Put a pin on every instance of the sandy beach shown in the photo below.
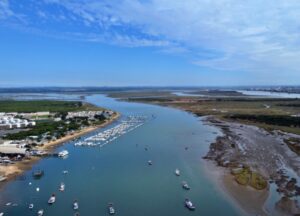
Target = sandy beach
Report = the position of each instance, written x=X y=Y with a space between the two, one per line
x=16 y=169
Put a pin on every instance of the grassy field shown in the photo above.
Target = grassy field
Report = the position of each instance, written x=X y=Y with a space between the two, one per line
x=44 y=105
x=267 y=113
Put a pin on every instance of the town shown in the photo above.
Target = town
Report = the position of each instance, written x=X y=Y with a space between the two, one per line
x=23 y=135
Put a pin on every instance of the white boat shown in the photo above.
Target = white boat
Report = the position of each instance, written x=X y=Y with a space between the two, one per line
x=150 y=162
x=75 y=205
x=40 y=212
x=2 y=178
x=63 y=153
x=177 y=172
x=52 y=199
x=1 y=213
x=185 y=185
x=62 y=187
x=111 y=209
x=31 y=206
x=189 y=205
x=65 y=172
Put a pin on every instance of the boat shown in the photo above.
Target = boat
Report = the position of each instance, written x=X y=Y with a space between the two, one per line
x=150 y=162
x=111 y=209
x=62 y=187
x=75 y=205
x=31 y=206
x=38 y=174
x=189 y=205
x=1 y=213
x=2 y=178
x=52 y=199
x=65 y=172
x=185 y=185
x=63 y=153
x=40 y=212
x=177 y=172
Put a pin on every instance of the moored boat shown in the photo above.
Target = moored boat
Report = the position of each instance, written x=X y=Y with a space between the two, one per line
x=31 y=206
x=40 y=212
x=177 y=172
x=63 y=153
x=75 y=205
x=150 y=162
x=111 y=209
x=185 y=185
x=52 y=199
x=62 y=187
x=38 y=173
x=189 y=205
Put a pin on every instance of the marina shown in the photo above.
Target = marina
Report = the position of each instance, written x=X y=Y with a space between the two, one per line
x=103 y=138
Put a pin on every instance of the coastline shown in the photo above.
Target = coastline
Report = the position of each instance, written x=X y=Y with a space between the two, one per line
x=14 y=170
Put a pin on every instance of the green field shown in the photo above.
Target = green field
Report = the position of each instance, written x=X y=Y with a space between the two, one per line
x=44 y=105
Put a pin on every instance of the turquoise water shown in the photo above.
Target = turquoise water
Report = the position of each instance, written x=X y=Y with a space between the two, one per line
x=119 y=172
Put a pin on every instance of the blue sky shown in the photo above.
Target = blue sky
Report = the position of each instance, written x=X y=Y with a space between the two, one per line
x=149 y=42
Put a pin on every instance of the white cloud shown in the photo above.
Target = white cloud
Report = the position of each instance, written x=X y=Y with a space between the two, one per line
x=5 y=11
x=244 y=35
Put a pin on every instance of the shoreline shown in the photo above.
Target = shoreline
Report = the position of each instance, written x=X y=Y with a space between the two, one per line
x=264 y=153
x=13 y=171
x=245 y=200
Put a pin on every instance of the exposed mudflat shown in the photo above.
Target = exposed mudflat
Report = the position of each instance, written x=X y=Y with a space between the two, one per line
x=265 y=153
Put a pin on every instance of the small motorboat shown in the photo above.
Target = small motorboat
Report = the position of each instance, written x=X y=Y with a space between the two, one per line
x=62 y=187
x=150 y=162
x=189 y=205
x=38 y=174
x=177 y=172
x=111 y=209
x=40 y=212
x=75 y=205
x=63 y=153
x=52 y=199
x=31 y=206
x=185 y=185
x=65 y=172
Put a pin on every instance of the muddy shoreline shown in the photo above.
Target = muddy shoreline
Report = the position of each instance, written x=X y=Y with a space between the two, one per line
x=263 y=153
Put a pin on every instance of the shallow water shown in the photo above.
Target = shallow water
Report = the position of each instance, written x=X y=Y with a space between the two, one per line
x=119 y=172
x=270 y=94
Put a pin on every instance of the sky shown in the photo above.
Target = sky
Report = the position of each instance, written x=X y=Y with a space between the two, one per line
x=149 y=42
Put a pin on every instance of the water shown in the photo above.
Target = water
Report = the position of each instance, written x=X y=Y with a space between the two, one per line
x=270 y=94
x=119 y=172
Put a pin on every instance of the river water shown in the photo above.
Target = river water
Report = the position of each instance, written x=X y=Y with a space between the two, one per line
x=119 y=172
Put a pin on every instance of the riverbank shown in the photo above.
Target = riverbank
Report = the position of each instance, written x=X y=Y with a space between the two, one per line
x=245 y=199
x=14 y=170
x=265 y=154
